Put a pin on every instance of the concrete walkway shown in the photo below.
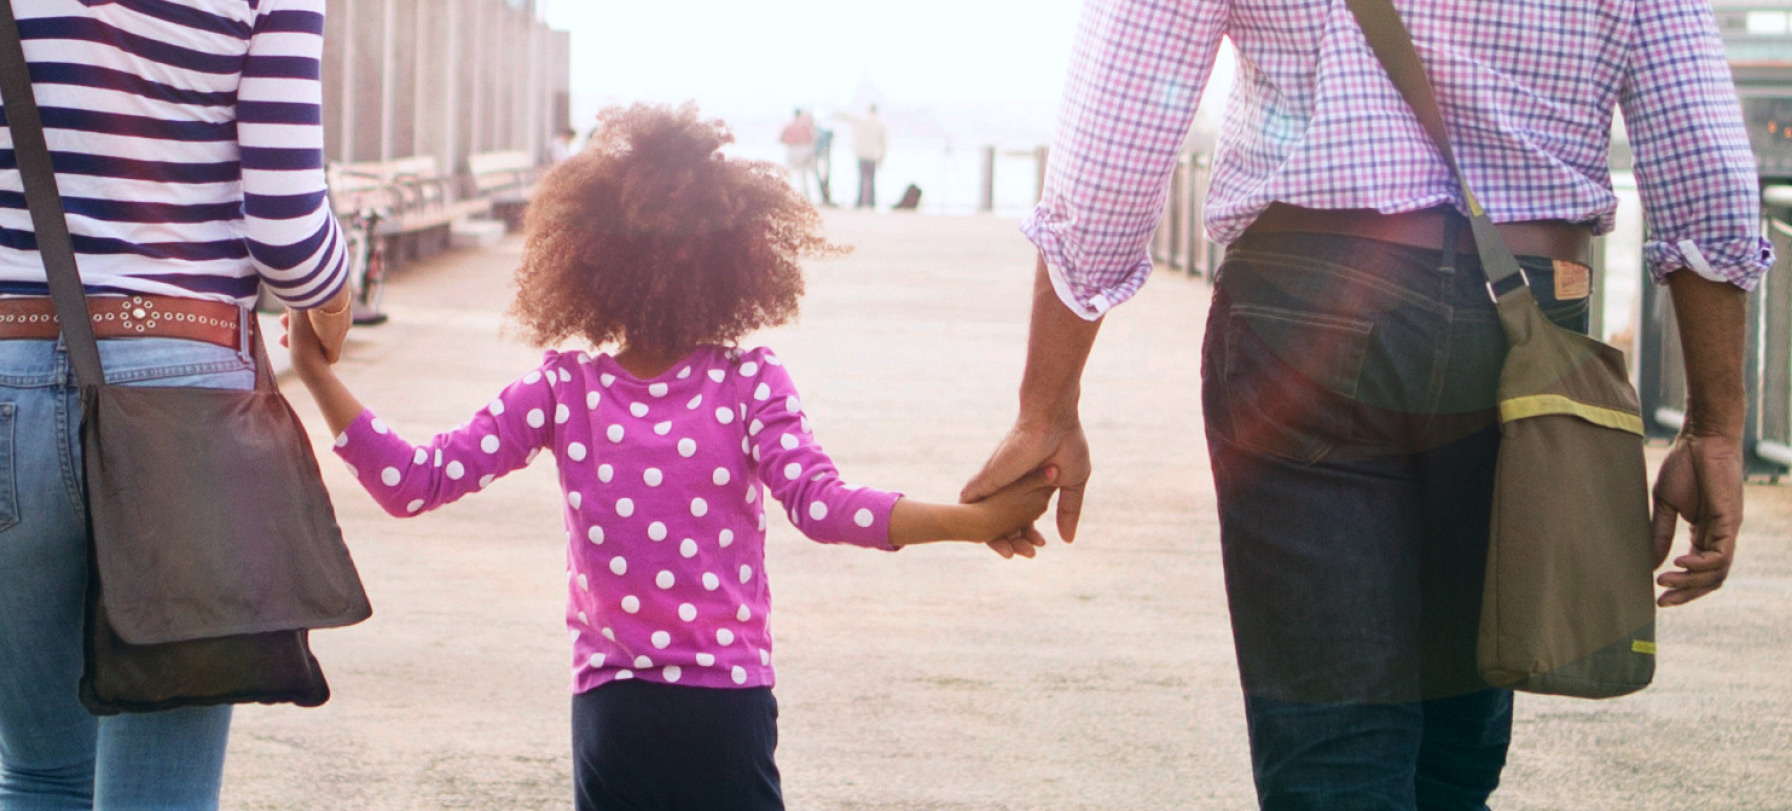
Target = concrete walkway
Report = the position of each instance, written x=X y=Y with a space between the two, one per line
x=1098 y=676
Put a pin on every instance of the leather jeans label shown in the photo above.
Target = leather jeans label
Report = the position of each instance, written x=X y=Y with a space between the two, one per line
x=1573 y=280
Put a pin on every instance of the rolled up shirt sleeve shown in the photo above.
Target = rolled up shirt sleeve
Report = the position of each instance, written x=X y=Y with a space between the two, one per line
x=1136 y=76
x=1694 y=168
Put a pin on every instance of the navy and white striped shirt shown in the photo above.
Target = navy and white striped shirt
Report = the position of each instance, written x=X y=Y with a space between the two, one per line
x=188 y=144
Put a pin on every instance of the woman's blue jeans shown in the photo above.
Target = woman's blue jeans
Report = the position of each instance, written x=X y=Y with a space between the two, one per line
x=53 y=753
x=1349 y=394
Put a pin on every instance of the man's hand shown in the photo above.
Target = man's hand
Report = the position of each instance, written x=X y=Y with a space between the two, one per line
x=1700 y=480
x=1028 y=448
x=330 y=322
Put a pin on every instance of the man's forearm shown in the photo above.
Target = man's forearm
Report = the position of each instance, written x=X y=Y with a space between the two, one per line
x=1058 y=344
x=1713 y=321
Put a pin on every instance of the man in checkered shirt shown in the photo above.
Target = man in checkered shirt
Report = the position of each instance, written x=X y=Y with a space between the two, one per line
x=1352 y=348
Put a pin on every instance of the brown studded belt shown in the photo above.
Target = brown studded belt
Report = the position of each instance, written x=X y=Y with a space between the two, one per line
x=142 y=316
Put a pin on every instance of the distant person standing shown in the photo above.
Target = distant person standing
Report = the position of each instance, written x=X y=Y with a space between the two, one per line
x=798 y=139
x=824 y=165
x=868 y=141
x=562 y=147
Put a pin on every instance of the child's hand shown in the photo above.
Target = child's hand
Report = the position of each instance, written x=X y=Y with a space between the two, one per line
x=1012 y=510
x=308 y=359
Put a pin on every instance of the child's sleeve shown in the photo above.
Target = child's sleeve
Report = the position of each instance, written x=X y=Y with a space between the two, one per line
x=409 y=479
x=797 y=472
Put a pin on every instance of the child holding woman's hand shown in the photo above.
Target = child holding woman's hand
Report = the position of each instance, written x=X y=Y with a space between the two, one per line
x=651 y=241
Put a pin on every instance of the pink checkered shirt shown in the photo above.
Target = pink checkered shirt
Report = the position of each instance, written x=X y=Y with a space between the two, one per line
x=1314 y=122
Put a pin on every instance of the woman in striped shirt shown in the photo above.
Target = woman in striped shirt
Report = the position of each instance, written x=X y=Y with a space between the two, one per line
x=188 y=149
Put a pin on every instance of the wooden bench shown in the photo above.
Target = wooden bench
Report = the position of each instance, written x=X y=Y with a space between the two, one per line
x=419 y=202
x=507 y=179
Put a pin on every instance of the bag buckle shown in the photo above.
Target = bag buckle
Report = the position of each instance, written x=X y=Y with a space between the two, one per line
x=1524 y=280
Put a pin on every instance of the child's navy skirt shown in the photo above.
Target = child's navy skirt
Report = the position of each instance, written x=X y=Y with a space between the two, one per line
x=644 y=746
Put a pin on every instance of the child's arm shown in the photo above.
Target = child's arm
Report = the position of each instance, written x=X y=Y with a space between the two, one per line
x=1010 y=510
x=408 y=479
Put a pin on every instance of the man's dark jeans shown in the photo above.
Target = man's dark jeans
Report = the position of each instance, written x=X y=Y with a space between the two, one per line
x=1349 y=394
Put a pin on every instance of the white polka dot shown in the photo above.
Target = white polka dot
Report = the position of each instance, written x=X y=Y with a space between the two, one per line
x=624 y=675
x=455 y=471
x=562 y=414
x=656 y=531
x=421 y=457
x=752 y=494
x=717 y=375
x=661 y=639
x=744 y=614
x=726 y=538
x=706 y=659
x=818 y=510
x=643 y=663
x=631 y=603
x=699 y=507
x=694 y=403
x=609 y=634
x=414 y=506
x=351 y=470
x=662 y=428
x=710 y=581
x=789 y=442
x=762 y=522
x=638 y=409
x=746 y=573
x=342 y=440
x=592 y=398
x=605 y=473
x=687 y=612
x=531 y=458
x=738 y=674
x=497 y=407
x=390 y=476
x=743 y=449
x=486 y=480
x=489 y=444
x=584 y=583
x=535 y=418
x=438 y=457
x=575 y=498
x=576 y=451
x=721 y=476
x=652 y=476
x=614 y=433
x=762 y=392
x=792 y=471
x=379 y=426
x=618 y=566
x=749 y=369
x=606 y=379
x=596 y=660
x=804 y=422
x=672 y=673
x=665 y=580
x=595 y=534
x=765 y=657
x=724 y=636
x=625 y=507
x=687 y=447
x=772 y=360
x=684 y=373
x=532 y=377
x=565 y=376
x=582 y=617
x=687 y=548
x=657 y=389
x=724 y=415
x=863 y=518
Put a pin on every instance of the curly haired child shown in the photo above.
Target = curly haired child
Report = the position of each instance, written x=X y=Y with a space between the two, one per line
x=654 y=243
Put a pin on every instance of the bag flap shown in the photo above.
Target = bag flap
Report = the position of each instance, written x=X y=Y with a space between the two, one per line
x=209 y=517
x=1551 y=370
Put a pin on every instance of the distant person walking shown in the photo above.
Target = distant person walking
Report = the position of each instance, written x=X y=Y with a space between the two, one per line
x=869 y=139
x=798 y=139
x=190 y=162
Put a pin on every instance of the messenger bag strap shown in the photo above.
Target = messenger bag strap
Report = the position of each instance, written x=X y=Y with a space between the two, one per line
x=1392 y=44
x=48 y=221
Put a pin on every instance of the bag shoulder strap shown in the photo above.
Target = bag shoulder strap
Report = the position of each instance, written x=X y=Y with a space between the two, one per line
x=1393 y=46
x=48 y=220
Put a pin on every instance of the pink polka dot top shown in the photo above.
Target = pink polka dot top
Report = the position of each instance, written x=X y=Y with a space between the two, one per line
x=665 y=482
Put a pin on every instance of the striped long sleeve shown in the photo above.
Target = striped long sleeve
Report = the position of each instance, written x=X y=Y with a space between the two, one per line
x=188 y=145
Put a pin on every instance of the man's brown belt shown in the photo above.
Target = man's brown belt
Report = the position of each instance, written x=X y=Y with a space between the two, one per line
x=1554 y=239
x=213 y=322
